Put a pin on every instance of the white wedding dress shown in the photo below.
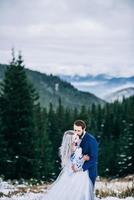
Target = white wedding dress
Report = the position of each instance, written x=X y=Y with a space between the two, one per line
x=70 y=185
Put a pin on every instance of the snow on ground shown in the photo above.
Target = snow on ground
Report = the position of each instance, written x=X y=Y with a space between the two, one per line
x=115 y=187
x=105 y=189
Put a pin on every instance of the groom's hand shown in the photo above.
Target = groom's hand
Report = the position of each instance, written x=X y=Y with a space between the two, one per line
x=73 y=168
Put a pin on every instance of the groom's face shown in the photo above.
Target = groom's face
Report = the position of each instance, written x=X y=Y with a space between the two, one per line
x=78 y=130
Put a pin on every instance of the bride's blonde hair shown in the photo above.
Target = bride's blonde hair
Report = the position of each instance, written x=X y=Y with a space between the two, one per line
x=66 y=147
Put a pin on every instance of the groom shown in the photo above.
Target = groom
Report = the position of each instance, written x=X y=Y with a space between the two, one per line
x=89 y=148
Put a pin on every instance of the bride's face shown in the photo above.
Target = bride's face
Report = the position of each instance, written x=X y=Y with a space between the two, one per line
x=75 y=138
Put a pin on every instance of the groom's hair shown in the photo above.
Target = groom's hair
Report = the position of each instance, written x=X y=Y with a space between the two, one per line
x=81 y=123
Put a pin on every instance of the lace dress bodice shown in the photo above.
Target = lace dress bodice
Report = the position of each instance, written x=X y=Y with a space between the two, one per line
x=76 y=160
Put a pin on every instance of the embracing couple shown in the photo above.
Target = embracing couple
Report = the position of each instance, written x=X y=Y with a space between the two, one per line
x=79 y=152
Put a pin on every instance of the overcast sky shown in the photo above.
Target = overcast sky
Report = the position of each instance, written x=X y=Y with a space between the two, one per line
x=70 y=36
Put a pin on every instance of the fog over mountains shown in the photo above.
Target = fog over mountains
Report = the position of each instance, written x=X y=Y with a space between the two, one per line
x=102 y=85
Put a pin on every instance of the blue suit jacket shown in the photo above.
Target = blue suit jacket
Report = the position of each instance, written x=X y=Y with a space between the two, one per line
x=89 y=146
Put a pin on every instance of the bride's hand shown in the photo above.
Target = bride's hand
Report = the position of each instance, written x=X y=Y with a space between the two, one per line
x=86 y=157
x=73 y=168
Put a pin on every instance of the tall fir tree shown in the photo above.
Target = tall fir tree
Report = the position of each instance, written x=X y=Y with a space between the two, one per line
x=4 y=157
x=43 y=147
x=17 y=121
x=125 y=156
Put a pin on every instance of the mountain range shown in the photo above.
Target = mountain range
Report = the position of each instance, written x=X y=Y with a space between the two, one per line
x=120 y=94
x=102 y=85
x=52 y=88
x=75 y=91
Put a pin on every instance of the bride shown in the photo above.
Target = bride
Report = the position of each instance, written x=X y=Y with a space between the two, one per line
x=71 y=184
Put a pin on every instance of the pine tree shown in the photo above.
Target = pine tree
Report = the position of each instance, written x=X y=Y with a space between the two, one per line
x=125 y=157
x=45 y=163
x=124 y=153
x=17 y=121
x=52 y=129
x=93 y=119
x=68 y=125
x=84 y=114
x=60 y=123
x=4 y=157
